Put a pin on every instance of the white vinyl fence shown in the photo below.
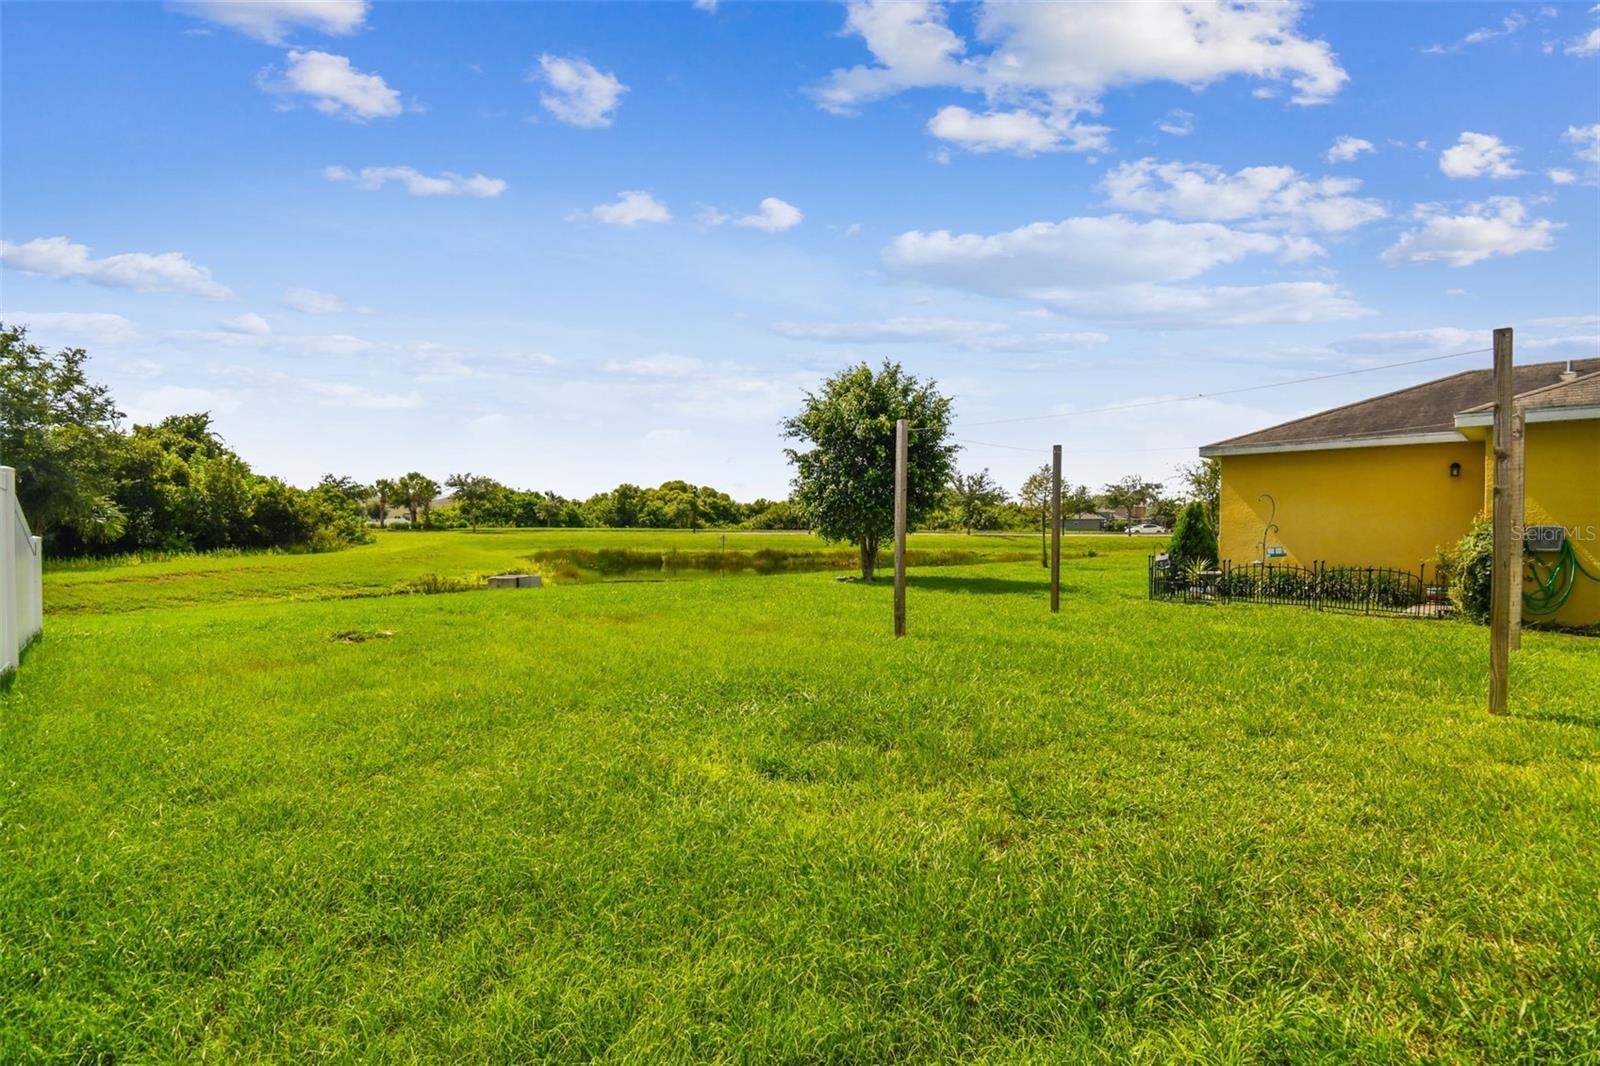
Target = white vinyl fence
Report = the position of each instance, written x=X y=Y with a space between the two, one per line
x=21 y=576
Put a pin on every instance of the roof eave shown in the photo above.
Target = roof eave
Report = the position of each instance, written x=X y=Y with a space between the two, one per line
x=1534 y=414
x=1443 y=436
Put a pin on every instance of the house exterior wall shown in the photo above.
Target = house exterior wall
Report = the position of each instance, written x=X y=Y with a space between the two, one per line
x=1561 y=487
x=1374 y=506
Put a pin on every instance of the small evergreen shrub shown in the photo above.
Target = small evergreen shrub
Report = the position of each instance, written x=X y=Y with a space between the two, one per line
x=1194 y=542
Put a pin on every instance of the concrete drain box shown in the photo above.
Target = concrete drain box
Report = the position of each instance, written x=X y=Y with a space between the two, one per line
x=516 y=581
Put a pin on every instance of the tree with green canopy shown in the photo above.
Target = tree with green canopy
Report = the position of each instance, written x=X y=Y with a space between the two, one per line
x=59 y=430
x=844 y=466
x=475 y=496
x=977 y=498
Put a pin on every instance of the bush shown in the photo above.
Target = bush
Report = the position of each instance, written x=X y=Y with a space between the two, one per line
x=1194 y=542
x=1470 y=565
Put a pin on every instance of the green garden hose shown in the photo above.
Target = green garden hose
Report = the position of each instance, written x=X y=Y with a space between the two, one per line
x=1553 y=582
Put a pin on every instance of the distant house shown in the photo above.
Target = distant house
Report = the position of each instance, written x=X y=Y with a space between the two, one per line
x=1085 y=521
x=1387 y=481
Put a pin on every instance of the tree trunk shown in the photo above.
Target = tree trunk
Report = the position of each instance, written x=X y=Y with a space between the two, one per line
x=869 y=557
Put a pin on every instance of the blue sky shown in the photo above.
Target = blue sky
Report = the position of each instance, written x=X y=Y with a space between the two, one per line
x=570 y=245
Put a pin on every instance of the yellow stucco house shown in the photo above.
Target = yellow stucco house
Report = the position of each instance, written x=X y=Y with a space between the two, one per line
x=1387 y=481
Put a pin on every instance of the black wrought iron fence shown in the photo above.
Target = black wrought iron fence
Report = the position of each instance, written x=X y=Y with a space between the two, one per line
x=1351 y=589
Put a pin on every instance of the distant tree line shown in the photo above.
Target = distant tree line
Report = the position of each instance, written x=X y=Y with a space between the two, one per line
x=475 y=500
x=87 y=486
x=975 y=501
x=90 y=487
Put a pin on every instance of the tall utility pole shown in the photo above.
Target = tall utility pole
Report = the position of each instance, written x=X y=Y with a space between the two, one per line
x=1502 y=575
x=901 y=434
x=1055 y=529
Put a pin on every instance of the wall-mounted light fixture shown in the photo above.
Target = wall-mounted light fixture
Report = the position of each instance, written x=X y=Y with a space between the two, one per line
x=1455 y=469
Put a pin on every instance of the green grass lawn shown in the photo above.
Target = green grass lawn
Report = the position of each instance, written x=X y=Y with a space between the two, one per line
x=733 y=819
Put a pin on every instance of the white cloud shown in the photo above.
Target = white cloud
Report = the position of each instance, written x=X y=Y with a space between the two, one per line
x=1586 y=140
x=1589 y=43
x=1498 y=226
x=1178 y=122
x=1561 y=176
x=58 y=257
x=313 y=302
x=1347 y=148
x=577 y=93
x=339 y=394
x=1116 y=269
x=419 y=184
x=691 y=387
x=1508 y=25
x=249 y=322
x=152 y=405
x=775 y=216
x=1274 y=196
x=334 y=86
x=325 y=344
x=89 y=327
x=664 y=365
x=1479 y=155
x=708 y=6
x=272 y=20
x=632 y=207
x=1192 y=307
x=1022 y=132
x=966 y=334
x=1055 y=61
x=1045 y=256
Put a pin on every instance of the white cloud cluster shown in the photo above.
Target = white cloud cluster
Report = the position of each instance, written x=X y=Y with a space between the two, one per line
x=1589 y=43
x=684 y=385
x=1271 y=196
x=774 y=216
x=1585 y=141
x=1055 y=61
x=334 y=86
x=417 y=183
x=1177 y=122
x=966 y=334
x=1120 y=270
x=1479 y=155
x=313 y=302
x=1508 y=25
x=577 y=93
x=248 y=323
x=1498 y=226
x=1347 y=148
x=343 y=394
x=93 y=327
x=272 y=20
x=631 y=207
x=1021 y=132
x=57 y=257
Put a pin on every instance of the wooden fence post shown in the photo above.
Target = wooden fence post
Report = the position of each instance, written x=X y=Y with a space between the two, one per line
x=901 y=434
x=1518 y=518
x=1055 y=529
x=1499 y=590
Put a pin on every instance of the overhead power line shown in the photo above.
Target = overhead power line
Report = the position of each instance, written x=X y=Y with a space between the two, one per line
x=1229 y=392
x=1208 y=395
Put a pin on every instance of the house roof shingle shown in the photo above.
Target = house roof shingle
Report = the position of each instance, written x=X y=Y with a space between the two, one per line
x=1427 y=408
